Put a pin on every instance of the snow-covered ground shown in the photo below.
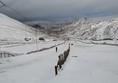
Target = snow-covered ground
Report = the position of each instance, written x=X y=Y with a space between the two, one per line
x=87 y=63
x=103 y=42
x=90 y=64
x=28 y=47
x=37 y=67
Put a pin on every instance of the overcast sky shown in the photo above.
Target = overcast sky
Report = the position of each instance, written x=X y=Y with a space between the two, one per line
x=59 y=9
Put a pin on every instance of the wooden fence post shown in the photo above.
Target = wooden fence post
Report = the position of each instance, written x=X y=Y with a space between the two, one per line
x=8 y=54
x=56 y=72
x=1 y=55
x=4 y=55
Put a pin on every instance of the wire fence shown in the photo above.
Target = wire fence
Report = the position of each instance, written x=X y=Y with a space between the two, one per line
x=5 y=54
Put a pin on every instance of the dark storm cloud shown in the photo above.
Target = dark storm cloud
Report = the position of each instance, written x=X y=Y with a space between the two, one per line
x=53 y=9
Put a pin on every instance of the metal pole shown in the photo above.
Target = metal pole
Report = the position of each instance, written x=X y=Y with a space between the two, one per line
x=36 y=40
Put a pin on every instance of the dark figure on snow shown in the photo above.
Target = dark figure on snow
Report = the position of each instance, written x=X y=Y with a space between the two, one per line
x=56 y=49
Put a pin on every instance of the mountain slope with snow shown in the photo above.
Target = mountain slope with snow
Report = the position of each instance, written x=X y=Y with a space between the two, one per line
x=92 y=29
x=11 y=29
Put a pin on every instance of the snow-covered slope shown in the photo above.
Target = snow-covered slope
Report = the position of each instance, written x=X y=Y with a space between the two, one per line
x=86 y=63
x=11 y=29
x=94 y=29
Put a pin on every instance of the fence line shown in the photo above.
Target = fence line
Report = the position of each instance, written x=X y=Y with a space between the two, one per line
x=7 y=54
x=62 y=59
x=43 y=49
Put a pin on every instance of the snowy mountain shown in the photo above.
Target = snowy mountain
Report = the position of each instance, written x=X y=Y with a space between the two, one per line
x=85 y=29
x=93 y=29
x=12 y=30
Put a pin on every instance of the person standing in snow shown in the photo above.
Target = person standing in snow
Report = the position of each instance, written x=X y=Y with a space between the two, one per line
x=56 y=49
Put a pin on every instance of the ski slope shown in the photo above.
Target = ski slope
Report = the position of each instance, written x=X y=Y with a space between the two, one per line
x=87 y=63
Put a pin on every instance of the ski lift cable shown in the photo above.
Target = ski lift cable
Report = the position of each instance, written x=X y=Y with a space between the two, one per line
x=2 y=4
x=17 y=12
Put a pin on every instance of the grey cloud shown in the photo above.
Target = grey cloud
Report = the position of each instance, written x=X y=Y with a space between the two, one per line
x=47 y=9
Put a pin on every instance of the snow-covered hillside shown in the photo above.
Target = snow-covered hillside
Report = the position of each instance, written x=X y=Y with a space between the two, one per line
x=11 y=30
x=95 y=29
